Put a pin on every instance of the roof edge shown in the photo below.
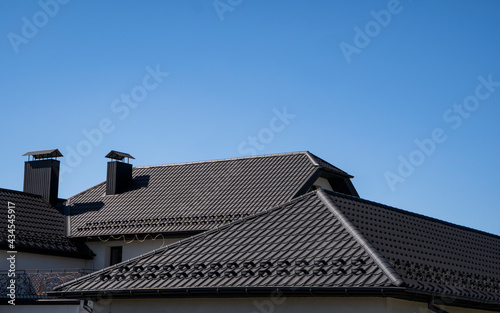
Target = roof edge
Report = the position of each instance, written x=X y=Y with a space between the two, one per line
x=42 y=251
x=314 y=158
x=227 y=159
x=68 y=200
x=413 y=214
x=382 y=263
x=23 y=193
x=231 y=292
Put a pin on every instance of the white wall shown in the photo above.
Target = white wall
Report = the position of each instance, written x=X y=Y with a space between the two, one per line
x=398 y=306
x=247 y=305
x=130 y=249
x=32 y=261
x=270 y=305
x=41 y=309
x=323 y=183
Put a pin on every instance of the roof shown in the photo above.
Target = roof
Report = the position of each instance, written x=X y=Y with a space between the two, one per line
x=197 y=196
x=306 y=243
x=319 y=243
x=430 y=255
x=39 y=227
x=118 y=155
x=42 y=154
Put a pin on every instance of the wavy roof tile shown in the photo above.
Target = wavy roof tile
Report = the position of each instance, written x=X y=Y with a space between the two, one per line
x=197 y=196
x=39 y=227
x=320 y=243
x=306 y=243
x=431 y=255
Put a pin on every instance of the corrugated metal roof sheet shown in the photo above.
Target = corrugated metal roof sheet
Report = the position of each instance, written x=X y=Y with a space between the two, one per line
x=192 y=196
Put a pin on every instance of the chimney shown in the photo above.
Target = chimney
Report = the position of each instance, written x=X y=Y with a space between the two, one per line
x=41 y=174
x=119 y=175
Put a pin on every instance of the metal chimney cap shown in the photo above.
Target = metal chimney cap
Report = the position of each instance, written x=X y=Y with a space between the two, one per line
x=44 y=154
x=116 y=155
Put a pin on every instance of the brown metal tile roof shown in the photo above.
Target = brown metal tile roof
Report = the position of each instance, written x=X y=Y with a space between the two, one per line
x=430 y=255
x=39 y=227
x=320 y=242
x=305 y=243
x=194 y=196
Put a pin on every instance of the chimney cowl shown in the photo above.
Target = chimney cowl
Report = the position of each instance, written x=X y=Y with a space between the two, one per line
x=117 y=155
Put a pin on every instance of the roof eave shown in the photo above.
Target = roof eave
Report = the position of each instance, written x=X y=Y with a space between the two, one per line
x=230 y=292
x=233 y=292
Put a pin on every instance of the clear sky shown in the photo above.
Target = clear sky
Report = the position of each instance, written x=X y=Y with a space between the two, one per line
x=404 y=95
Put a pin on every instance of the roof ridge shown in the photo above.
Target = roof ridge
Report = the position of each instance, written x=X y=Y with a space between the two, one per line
x=68 y=201
x=413 y=214
x=22 y=193
x=382 y=263
x=227 y=159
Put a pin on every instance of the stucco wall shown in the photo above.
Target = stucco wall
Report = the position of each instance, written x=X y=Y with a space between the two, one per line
x=31 y=261
x=130 y=249
x=398 y=306
x=41 y=309
x=270 y=305
x=244 y=305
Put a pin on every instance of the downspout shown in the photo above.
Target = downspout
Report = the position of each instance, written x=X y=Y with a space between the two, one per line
x=67 y=217
x=88 y=306
x=434 y=308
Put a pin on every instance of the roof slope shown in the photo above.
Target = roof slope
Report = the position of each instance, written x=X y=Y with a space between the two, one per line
x=302 y=245
x=39 y=227
x=194 y=196
x=321 y=242
x=430 y=255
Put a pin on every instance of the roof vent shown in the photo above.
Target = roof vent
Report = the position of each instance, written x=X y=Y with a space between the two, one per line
x=41 y=174
x=119 y=175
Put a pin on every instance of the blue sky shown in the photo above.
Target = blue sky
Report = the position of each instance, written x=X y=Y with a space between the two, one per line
x=404 y=95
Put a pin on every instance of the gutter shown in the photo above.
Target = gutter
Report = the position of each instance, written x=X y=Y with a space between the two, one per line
x=229 y=292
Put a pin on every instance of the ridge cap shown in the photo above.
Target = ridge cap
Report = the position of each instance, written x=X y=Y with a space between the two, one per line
x=225 y=159
x=377 y=257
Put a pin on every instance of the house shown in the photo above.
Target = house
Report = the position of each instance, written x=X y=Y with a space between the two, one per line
x=274 y=233
x=159 y=205
x=37 y=253
x=109 y=222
